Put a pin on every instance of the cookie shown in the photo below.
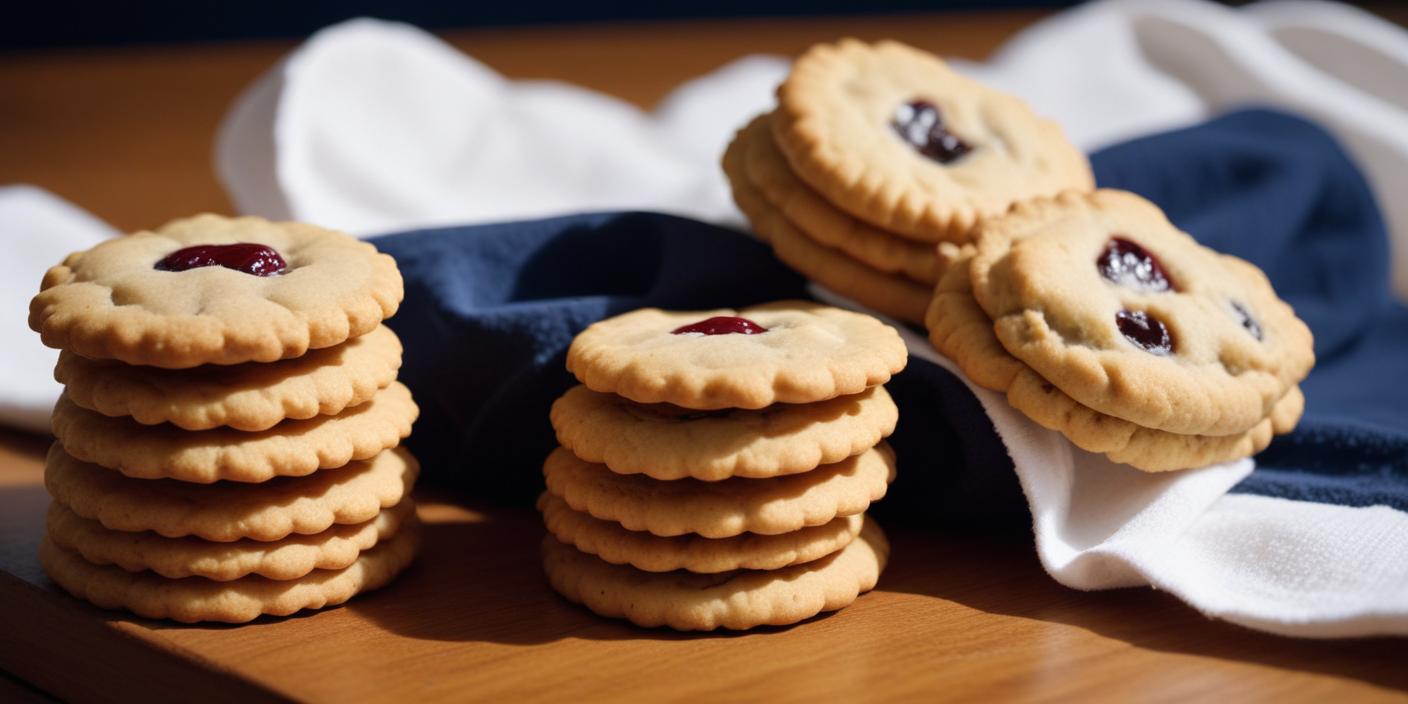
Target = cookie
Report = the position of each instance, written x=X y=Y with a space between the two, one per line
x=224 y=512
x=248 y=397
x=215 y=290
x=1104 y=298
x=726 y=508
x=652 y=553
x=812 y=216
x=891 y=295
x=734 y=600
x=174 y=558
x=291 y=449
x=786 y=352
x=960 y=330
x=667 y=442
x=896 y=138
x=196 y=599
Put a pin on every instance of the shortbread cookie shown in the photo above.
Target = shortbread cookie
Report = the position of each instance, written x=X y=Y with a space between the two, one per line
x=652 y=553
x=769 y=171
x=735 y=600
x=1108 y=301
x=725 y=508
x=893 y=136
x=215 y=290
x=227 y=512
x=293 y=557
x=196 y=599
x=291 y=449
x=667 y=442
x=786 y=352
x=960 y=330
x=891 y=295
x=248 y=397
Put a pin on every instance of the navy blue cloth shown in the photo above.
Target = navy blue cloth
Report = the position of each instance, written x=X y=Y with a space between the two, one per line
x=490 y=310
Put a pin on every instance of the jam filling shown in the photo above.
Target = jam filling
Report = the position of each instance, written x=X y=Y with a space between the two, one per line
x=1145 y=331
x=721 y=325
x=1249 y=323
x=250 y=258
x=919 y=123
x=1129 y=265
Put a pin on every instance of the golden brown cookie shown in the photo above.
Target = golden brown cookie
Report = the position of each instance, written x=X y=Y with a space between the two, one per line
x=195 y=599
x=1105 y=299
x=893 y=136
x=290 y=449
x=226 y=512
x=734 y=600
x=785 y=352
x=667 y=442
x=250 y=396
x=652 y=553
x=722 y=509
x=175 y=558
x=215 y=290
x=812 y=216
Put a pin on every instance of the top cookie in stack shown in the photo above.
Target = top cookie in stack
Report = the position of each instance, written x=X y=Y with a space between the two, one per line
x=228 y=431
x=877 y=152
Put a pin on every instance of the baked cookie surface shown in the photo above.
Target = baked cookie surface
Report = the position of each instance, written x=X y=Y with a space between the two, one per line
x=1105 y=299
x=290 y=449
x=652 y=553
x=786 y=352
x=734 y=600
x=726 y=508
x=249 y=397
x=195 y=599
x=215 y=290
x=273 y=510
x=895 y=137
x=667 y=442
x=175 y=558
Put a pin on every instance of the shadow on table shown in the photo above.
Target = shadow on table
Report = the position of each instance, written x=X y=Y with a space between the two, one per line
x=1005 y=578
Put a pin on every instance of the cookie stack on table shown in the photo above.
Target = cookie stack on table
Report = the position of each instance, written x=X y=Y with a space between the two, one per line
x=1100 y=319
x=716 y=466
x=875 y=154
x=227 y=439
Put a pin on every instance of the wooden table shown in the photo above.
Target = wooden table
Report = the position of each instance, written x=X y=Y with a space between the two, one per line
x=127 y=133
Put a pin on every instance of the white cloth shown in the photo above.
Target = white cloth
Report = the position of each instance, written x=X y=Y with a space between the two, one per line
x=374 y=127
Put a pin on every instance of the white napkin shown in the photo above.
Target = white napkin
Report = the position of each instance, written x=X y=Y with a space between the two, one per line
x=373 y=127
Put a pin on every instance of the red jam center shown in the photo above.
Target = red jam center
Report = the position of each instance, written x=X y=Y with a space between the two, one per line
x=1145 y=331
x=1131 y=266
x=721 y=325
x=250 y=258
x=1249 y=323
x=919 y=123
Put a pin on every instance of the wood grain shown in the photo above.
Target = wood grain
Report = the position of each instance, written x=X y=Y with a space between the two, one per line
x=127 y=133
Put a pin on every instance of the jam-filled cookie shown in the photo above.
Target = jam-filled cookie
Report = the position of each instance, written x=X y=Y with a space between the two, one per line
x=215 y=290
x=786 y=352
x=1110 y=303
x=895 y=137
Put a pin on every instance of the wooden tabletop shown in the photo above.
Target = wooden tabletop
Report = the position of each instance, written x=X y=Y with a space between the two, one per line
x=127 y=133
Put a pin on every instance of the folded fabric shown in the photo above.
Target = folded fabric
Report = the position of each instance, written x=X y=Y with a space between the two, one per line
x=490 y=310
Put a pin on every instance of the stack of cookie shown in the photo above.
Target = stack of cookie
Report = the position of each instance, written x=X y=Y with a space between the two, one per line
x=227 y=439
x=875 y=154
x=716 y=466
x=1100 y=319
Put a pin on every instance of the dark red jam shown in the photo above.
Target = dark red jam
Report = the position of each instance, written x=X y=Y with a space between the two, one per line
x=919 y=123
x=1131 y=266
x=1249 y=323
x=1145 y=331
x=250 y=258
x=721 y=325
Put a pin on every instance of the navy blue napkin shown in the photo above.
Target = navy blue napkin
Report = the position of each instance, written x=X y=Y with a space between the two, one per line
x=490 y=310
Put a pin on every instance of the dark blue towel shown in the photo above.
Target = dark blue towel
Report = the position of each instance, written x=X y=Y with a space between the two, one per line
x=490 y=309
